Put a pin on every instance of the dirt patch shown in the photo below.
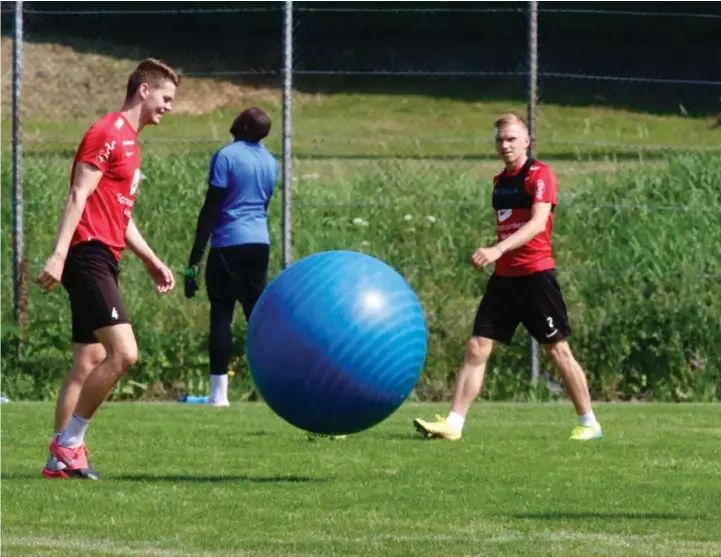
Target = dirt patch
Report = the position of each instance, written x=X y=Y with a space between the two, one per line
x=59 y=82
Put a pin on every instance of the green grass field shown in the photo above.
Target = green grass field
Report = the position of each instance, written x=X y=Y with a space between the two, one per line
x=350 y=126
x=196 y=481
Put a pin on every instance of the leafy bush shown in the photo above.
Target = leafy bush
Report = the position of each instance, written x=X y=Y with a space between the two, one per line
x=637 y=254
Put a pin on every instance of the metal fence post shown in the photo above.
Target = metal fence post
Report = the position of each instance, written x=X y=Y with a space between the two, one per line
x=287 y=131
x=532 y=105
x=17 y=179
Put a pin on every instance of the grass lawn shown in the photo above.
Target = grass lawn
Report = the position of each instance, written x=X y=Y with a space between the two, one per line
x=374 y=119
x=352 y=126
x=185 y=480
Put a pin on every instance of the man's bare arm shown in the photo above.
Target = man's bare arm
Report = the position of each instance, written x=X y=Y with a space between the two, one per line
x=137 y=243
x=85 y=181
x=531 y=229
x=539 y=215
x=159 y=271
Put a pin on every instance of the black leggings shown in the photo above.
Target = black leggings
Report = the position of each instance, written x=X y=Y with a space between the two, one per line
x=221 y=336
x=238 y=273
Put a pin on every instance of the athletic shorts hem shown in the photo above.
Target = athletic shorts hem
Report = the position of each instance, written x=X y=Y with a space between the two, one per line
x=554 y=340
x=492 y=335
x=83 y=339
x=87 y=334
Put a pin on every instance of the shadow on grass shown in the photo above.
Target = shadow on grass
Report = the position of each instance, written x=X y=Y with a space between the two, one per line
x=411 y=436
x=179 y=478
x=241 y=478
x=602 y=516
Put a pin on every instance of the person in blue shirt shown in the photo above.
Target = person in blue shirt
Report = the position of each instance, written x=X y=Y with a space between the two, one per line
x=241 y=181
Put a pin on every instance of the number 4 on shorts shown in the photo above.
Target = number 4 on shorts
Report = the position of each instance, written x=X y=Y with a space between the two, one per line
x=114 y=313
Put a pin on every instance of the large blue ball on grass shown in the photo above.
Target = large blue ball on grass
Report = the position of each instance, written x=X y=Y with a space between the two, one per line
x=337 y=342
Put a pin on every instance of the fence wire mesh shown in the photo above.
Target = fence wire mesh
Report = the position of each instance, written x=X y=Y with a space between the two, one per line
x=388 y=147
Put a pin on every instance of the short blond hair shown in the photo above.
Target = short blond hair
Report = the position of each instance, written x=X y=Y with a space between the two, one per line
x=508 y=119
x=150 y=71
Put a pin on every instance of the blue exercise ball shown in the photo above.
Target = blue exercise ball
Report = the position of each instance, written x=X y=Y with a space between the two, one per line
x=336 y=342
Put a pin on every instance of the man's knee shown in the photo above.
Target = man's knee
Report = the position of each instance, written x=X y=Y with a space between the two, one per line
x=124 y=351
x=559 y=352
x=478 y=350
x=86 y=357
x=120 y=345
x=126 y=355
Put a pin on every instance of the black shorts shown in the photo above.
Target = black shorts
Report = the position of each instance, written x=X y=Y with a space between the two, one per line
x=534 y=300
x=90 y=277
x=237 y=273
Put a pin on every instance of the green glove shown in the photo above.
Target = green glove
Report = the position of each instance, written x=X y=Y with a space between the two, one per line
x=192 y=280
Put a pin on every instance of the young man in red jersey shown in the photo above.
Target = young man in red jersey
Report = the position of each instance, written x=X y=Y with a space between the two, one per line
x=95 y=229
x=523 y=287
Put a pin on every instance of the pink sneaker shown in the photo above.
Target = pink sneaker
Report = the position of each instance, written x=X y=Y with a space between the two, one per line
x=70 y=462
x=54 y=468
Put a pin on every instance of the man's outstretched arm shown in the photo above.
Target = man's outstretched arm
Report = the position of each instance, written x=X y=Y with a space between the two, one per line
x=85 y=181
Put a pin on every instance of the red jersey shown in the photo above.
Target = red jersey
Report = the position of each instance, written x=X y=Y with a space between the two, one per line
x=513 y=197
x=110 y=145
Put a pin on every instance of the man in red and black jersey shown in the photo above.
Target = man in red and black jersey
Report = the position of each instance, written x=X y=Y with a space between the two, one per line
x=95 y=229
x=523 y=287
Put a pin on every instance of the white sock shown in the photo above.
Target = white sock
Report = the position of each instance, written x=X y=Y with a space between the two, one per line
x=219 y=388
x=456 y=421
x=588 y=420
x=74 y=433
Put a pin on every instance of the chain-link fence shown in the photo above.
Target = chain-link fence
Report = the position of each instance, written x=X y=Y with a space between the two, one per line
x=382 y=118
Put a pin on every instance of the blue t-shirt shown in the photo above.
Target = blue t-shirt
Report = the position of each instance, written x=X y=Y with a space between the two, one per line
x=248 y=172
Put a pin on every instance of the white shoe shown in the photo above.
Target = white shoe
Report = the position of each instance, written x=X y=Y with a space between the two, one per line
x=219 y=403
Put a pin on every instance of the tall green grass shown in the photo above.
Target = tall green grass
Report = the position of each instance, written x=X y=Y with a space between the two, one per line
x=637 y=252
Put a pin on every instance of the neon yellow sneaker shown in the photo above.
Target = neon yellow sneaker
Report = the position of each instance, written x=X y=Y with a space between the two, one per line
x=438 y=429
x=586 y=433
